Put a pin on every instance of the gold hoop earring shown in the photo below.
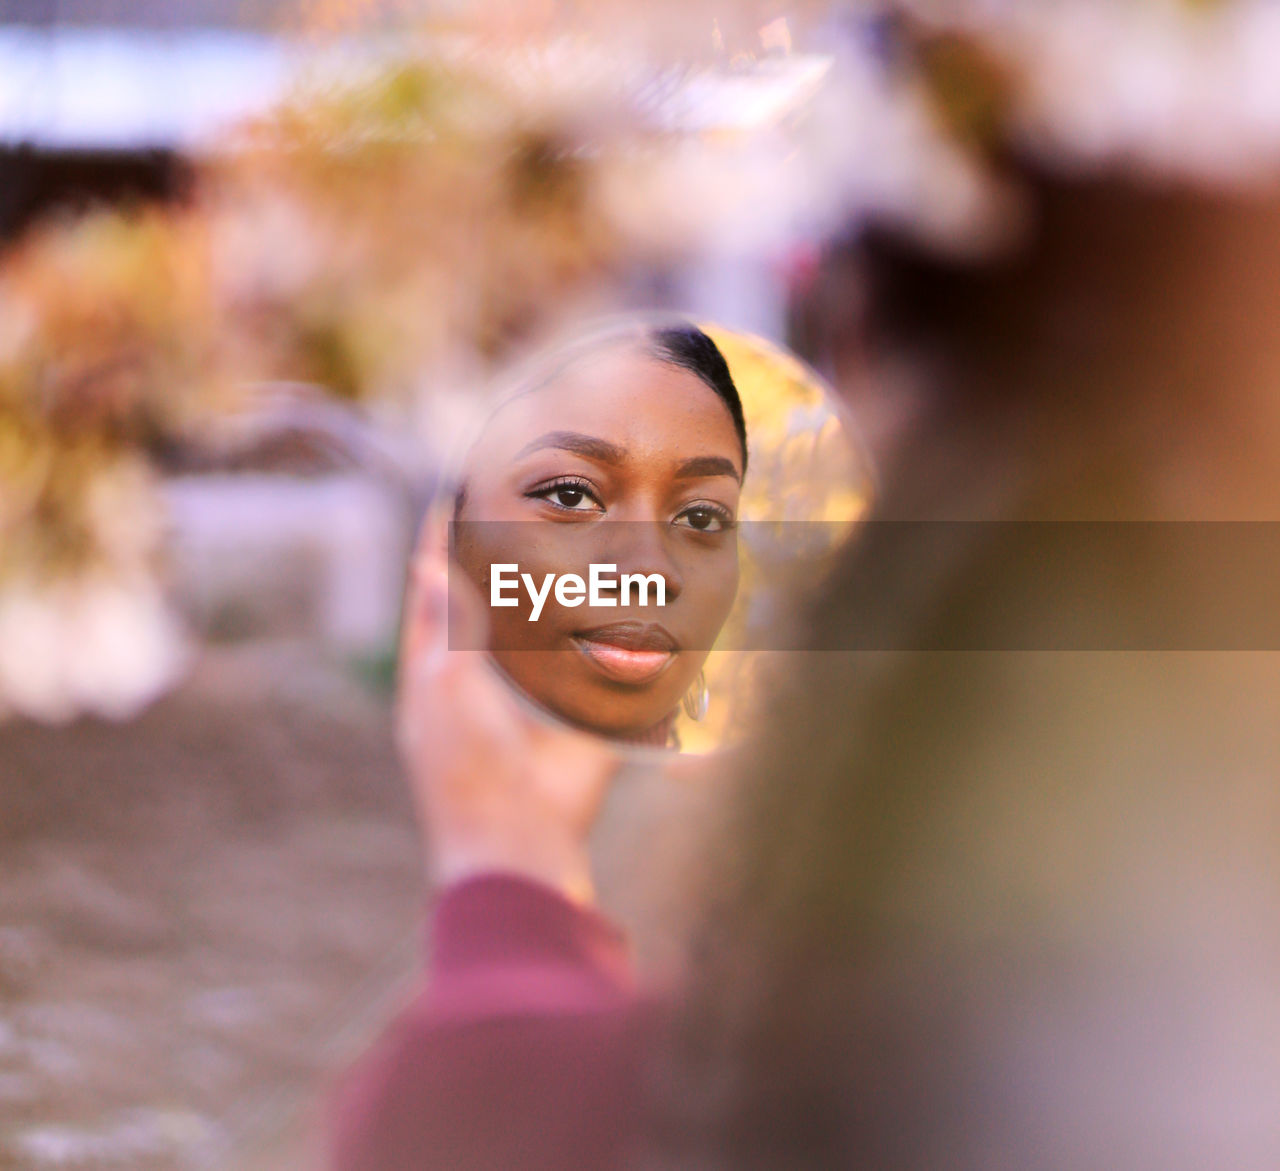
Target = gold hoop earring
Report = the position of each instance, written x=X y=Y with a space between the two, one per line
x=697 y=699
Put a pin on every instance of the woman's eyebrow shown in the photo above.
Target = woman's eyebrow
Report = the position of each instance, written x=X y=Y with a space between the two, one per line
x=600 y=450
x=707 y=465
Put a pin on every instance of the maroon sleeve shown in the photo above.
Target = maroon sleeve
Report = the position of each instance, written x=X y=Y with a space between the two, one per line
x=521 y=1050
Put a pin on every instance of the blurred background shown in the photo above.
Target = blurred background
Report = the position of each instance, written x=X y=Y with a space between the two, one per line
x=255 y=259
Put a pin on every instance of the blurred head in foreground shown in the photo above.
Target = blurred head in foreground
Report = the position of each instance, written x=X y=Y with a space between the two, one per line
x=996 y=897
x=629 y=451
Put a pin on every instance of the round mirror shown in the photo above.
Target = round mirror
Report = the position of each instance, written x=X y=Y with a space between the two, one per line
x=637 y=509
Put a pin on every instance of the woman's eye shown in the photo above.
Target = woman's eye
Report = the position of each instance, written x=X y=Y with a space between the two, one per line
x=704 y=519
x=570 y=496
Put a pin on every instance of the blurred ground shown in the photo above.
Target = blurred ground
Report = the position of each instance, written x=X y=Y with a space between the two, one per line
x=202 y=913
x=207 y=912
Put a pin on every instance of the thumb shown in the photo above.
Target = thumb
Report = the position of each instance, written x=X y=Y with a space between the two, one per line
x=444 y=610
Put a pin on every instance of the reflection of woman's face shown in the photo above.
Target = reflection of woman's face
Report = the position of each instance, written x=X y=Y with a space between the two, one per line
x=618 y=437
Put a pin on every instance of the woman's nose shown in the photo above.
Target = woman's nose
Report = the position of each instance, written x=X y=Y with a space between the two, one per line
x=642 y=547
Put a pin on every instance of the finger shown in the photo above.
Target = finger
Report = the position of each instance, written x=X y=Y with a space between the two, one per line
x=443 y=614
x=432 y=543
x=468 y=624
x=423 y=642
x=421 y=654
x=426 y=614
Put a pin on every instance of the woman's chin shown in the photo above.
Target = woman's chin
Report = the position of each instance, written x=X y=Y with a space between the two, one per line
x=628 y=722
x=575 y=688
x=634 y=717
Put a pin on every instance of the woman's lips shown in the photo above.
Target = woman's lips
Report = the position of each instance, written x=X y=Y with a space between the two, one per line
x=628 y=652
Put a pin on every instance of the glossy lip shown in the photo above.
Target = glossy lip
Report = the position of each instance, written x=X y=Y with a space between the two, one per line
x=628 y=652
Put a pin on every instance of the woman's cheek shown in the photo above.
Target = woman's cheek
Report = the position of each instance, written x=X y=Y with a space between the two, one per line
x=711 y=590
x=732 y=579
